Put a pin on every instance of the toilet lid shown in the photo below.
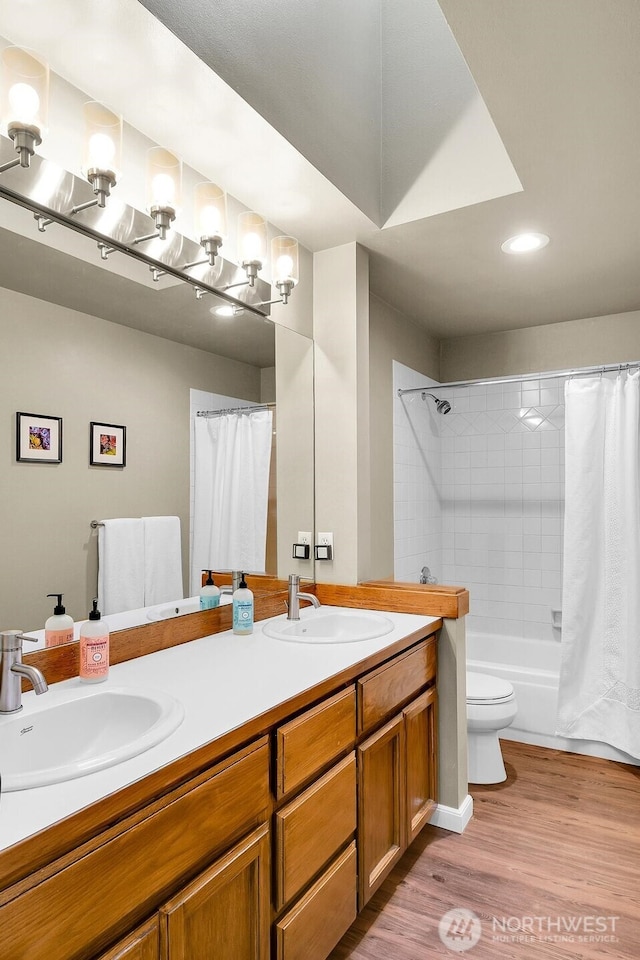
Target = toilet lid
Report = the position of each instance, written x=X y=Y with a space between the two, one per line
x=482 y=688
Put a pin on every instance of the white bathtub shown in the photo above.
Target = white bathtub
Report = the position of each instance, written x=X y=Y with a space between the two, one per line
x=533 y=667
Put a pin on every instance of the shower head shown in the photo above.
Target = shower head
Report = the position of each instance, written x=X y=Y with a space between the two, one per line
x=442 y=406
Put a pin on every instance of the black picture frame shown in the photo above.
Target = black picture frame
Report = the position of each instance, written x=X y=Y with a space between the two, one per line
x=107 y=444
x=38 y=438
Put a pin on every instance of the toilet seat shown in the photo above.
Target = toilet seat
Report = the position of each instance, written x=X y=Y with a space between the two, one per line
x=482 y=688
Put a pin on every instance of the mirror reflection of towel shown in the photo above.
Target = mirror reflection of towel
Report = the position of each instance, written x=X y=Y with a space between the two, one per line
x=120 y=565
x=162 y=560
x=139 y=563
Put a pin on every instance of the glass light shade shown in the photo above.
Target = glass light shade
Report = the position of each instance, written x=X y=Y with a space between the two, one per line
x=252 y=238
x=285 y=261
x=25 y=91
x=164 y=180
x=102 y=141
x=210 y=211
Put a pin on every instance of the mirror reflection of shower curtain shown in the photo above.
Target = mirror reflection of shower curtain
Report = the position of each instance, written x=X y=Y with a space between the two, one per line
x=231 y=477
x=599 y=696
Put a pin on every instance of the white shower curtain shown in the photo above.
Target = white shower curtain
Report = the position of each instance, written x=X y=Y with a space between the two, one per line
x=599 y=697
x=232 y=458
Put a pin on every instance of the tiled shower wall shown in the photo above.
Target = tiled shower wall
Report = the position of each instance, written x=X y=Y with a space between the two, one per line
x=417 y=481
x=499 y=482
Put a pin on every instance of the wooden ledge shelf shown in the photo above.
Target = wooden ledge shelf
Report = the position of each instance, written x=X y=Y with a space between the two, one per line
x=433 y=601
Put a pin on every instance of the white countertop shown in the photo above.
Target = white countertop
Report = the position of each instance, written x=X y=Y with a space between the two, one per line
x=222 y=680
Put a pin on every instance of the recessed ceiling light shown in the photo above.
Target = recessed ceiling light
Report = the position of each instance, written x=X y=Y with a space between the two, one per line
x=525 y=243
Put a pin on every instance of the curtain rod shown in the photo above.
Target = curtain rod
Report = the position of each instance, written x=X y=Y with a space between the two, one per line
x=523 y=378
x=221 y=413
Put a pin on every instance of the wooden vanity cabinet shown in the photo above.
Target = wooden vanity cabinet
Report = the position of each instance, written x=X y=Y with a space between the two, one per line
x=95 y=896
x=142 y=944
x=266 y=855
x=315 y=893
x=397 y=778
x=225 y=912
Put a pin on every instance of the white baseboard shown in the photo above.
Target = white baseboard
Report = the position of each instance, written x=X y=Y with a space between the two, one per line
x=453 y=818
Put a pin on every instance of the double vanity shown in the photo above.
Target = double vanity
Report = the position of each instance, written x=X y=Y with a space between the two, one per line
x=238 y=797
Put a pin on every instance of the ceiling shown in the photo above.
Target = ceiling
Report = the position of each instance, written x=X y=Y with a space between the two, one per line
x=428 y=132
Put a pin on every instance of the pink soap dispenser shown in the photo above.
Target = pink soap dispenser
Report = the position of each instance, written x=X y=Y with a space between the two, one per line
x=94 y=648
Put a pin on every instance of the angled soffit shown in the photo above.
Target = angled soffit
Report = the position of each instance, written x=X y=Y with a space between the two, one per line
x=376 y=95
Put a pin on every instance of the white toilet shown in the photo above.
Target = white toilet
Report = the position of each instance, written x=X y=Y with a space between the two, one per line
x=491 y=706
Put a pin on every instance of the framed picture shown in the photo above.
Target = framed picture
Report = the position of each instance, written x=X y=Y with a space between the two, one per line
x=38 y=438
x=107 y=445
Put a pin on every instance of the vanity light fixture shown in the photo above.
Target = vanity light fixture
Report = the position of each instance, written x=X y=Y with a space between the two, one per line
x=211 y=218
x=525 y=243
x=25 y=102
x=228 y=310
x=102 y=149
x=252 y=244
x=164 y=189
x=285 y=260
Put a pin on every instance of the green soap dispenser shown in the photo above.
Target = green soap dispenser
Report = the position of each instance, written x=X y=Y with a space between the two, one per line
x=209 y=593
x=58 y=628
x=242 y=609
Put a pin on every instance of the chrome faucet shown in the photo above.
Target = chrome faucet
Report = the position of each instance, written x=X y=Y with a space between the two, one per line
x=12 y=669
x=427 y=576
x=295 y=596
x=236 y=577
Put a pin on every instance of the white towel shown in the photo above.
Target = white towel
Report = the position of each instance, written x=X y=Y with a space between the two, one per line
x=120 y=565
x=162 y=560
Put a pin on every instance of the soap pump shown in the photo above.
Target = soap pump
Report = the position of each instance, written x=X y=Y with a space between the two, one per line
x=242 y=609
x=94 y=648
x=58 y=628
x=209 y=593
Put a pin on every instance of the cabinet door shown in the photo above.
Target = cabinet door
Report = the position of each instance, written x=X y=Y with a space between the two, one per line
x=142 y=944
x=381 y=806
x=224 y=913
x=421 y=771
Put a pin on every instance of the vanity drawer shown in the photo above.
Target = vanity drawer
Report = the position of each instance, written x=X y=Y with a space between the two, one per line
x=313 y=827
x=310 y=742
x=384 y=690
x=311 y=929
x=104 y=894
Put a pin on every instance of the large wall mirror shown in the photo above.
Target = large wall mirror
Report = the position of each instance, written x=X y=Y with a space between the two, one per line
x=86 y=341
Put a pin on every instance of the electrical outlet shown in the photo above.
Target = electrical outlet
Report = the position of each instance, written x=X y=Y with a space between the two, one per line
x=325 y=540
x=304 y=536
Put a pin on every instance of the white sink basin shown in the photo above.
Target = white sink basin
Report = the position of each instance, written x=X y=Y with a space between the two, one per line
x=344 y=626
x=165 y=611
x=84 y=733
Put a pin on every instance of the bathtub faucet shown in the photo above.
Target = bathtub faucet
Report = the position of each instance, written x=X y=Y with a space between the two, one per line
x=427 y=576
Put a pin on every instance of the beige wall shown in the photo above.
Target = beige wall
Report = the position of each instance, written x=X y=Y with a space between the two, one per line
x=295 y=447
x=391 y=337
x=575 y=343
x=341 y=358
x=63 y=363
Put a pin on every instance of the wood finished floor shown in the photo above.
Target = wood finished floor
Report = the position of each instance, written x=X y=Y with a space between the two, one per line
x=559 y=839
